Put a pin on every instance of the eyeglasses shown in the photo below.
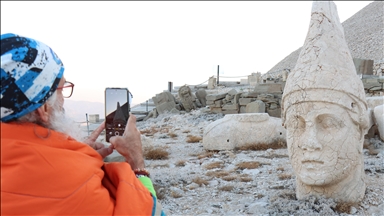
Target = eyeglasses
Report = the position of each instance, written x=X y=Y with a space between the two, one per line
x=67 y=89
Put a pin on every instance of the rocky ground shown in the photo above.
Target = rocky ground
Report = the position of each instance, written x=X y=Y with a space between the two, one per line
x=192 y=181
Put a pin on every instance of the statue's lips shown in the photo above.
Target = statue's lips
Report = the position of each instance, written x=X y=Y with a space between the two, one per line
x=312 y=164
x=312 y=161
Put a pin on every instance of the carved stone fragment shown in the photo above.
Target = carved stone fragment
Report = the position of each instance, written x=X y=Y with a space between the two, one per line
x=324 y=110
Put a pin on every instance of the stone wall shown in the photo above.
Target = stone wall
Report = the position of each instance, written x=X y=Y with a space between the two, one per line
x=265 y=98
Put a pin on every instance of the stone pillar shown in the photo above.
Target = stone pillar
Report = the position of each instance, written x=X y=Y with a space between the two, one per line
x=211 y=83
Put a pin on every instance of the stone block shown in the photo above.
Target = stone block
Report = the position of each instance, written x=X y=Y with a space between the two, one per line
x=379 y=119
x=216 y=110
x=211 y=83
x=94 y=118
x=244 y=81
x=165 y=107
x=253 y=83
x=371 y=118
x=251 y=94
x=242 y=109
x=230 y=107
x=239 y=130
x=163 y=97
x=214 y=97
x=375 y=101
x=274 y=112
x=232 y=92
x=369 y=80
x=266 y=97
x=245 y=101
x=210 y=102
x=363 y=66
x=201 y=95
x=257 y=106
x=212 y=91
x=268 y=88
x=236 y=98
x=218 y=103
x=252 y=80
x=230 y=112
x=273 y=105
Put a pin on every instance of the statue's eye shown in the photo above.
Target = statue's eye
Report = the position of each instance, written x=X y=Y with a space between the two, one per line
x=329 y=122
x=296 y=123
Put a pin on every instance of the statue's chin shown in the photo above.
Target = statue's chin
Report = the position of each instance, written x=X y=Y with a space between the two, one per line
x=311 y=179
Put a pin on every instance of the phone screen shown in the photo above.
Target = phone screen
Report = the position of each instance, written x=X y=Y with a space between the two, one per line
x=117 y=106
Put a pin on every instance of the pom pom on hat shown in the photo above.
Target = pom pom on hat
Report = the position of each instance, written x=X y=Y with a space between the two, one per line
x=30 y=74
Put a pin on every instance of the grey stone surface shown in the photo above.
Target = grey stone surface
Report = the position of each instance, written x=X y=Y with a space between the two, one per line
x=201 y=96
x=379 y=119
x=230 y=107
x=232 y=92
x=164 y=107
x=257 y=106
x=163 y=97
x=214 y=97
x=187 y=98
x=233 y=131
x=268 y=88
x=245 y=101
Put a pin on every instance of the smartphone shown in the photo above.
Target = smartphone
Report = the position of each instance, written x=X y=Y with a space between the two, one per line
x=117 y=108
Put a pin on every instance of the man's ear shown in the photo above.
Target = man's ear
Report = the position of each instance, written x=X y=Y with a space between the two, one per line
x=43 y=113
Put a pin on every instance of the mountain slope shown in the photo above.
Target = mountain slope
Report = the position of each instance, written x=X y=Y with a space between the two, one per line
x=364 y=33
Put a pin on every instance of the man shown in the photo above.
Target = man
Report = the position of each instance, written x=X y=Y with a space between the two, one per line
x=43 y=169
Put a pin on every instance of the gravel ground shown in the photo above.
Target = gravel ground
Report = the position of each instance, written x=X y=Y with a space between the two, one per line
x=192 y=181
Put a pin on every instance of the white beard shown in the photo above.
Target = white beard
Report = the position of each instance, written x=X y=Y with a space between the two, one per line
x=59 y=121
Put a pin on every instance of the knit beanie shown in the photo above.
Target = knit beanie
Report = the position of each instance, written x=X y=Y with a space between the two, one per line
x=30 y=74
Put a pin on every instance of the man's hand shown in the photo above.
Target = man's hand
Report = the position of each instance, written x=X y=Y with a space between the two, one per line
x=99 y=147
x=129 y=145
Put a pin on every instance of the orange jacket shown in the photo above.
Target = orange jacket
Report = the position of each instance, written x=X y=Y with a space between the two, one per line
x=59 y=176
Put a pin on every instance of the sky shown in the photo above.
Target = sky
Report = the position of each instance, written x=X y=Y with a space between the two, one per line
x=143 y=45
x=114 y=96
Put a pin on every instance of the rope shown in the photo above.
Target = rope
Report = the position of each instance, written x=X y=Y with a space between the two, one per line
x=219 y=77
x=200 y=83
x=232 y=76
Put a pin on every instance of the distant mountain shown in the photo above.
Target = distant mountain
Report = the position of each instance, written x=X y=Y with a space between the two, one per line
x=77 y=109
x=363 y=34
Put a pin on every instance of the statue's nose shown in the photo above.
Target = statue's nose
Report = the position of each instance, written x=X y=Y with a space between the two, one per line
x=309 y=140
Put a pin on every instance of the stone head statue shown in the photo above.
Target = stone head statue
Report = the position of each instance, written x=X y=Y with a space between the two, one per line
x=184 y=91
x=187 y=98
x=325 y=113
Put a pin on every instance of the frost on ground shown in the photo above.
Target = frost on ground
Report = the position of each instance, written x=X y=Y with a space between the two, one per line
x=192 y=181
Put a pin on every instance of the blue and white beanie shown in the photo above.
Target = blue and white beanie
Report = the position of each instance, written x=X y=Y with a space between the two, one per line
x=30 y=73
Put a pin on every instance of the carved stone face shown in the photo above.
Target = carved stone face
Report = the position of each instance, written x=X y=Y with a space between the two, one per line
x=184 y=91
x=323 y=143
